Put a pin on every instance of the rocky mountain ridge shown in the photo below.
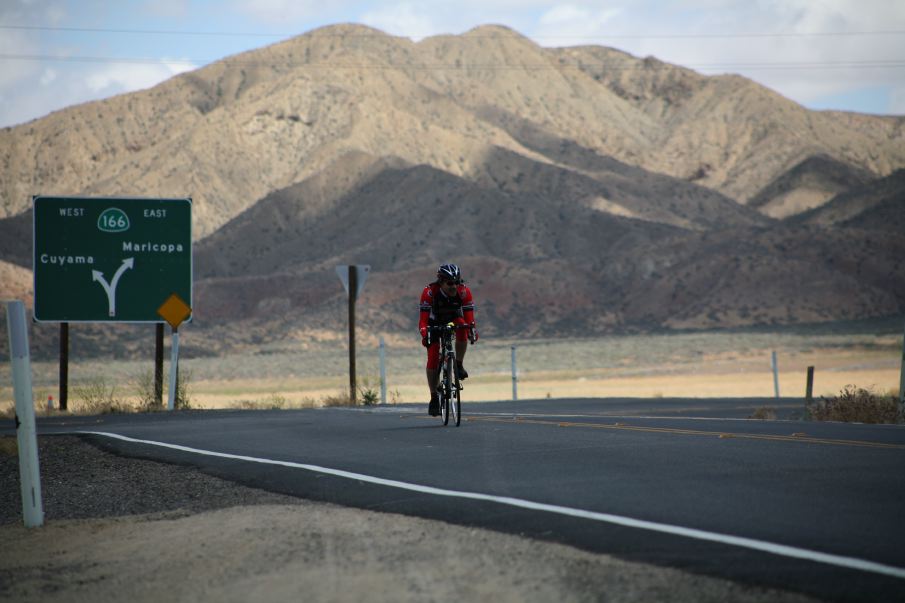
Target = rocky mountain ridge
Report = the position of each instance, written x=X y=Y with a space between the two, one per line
x=582 y=189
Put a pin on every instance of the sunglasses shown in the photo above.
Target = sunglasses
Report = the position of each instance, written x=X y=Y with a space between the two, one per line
x=446 y=283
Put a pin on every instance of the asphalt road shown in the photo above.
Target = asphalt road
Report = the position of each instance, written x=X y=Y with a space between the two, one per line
x=812 y=507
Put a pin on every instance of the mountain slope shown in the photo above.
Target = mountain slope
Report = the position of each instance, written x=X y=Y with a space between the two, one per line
x=809 y=184
x=230 y=133
x=877 y=205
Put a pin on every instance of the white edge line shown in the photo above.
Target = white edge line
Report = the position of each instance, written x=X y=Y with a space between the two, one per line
x=739 y=541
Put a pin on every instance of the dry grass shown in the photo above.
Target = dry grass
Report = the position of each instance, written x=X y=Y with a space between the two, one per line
x=857 y=405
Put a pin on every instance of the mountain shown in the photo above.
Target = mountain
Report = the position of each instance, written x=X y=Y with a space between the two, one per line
x=583 y=190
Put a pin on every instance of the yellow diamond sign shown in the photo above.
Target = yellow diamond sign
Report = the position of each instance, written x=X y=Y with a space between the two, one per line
x=174 y=310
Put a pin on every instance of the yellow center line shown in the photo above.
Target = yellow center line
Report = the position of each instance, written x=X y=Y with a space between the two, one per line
x=698 y=432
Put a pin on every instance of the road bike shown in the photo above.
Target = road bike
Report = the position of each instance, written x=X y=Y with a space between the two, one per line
x=449 y=387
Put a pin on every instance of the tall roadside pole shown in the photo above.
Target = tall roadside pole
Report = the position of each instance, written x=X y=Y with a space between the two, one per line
x=353 y=277
x=26 y=435
x=353 y=286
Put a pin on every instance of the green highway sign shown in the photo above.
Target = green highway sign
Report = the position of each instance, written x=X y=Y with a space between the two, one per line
x=110 y=259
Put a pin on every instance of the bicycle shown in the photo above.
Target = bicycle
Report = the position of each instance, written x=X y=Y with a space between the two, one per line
x=449 y=386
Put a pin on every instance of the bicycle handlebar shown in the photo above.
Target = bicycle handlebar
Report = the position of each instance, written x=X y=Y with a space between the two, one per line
x=449 y=327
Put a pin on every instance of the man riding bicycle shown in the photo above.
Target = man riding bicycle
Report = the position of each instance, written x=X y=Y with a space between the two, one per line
x=446 y=300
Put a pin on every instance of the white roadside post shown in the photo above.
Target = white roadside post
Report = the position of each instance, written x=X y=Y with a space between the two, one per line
x=775 y=374
x=383 y=372
x=174 y=368
x=26 y=436
x=514 y=376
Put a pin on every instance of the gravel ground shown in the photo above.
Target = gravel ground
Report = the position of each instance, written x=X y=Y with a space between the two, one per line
x=127 y=529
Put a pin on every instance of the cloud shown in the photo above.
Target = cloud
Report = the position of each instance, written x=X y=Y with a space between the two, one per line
x=78 y=83
x=173 y=9
x=568 y=24
x=403 y=19
x=121 y=77
x=282 y=12
x=897 y=101
x=699 y=34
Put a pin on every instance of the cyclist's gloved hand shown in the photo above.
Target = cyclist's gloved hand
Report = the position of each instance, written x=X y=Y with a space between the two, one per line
x=424 y=340
x=473 y=335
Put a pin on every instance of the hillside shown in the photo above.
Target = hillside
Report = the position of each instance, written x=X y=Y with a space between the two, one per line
x=878 y=205
x=809 y=184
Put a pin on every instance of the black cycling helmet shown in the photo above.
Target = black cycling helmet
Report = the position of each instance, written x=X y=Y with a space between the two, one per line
x=449 y=272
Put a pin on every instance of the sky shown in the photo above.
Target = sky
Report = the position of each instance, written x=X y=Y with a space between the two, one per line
x=824 y=54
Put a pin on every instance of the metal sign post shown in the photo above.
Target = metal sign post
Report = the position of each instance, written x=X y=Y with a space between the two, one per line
x=775 y=374
x=353 y=278
x=174 y=311
x=514 y=376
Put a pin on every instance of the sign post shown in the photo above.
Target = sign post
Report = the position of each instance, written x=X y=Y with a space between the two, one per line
x=174 y=311
x=353 y=278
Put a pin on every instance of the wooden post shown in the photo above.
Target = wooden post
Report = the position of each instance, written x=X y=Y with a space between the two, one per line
x=353 y=289
x=809 y=390
x=64 y=365
x=902 y=376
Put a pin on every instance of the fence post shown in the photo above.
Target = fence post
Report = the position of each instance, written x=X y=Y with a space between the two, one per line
x=514 y=376
x=775 y=374
x=383 y=372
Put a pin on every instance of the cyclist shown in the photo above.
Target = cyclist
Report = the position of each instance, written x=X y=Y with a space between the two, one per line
x=446 y=300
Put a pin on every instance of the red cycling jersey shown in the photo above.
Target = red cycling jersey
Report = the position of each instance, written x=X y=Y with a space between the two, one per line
x=437 y=308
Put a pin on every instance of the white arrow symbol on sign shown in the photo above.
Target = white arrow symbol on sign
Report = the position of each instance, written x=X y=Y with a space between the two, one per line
x=111 y=287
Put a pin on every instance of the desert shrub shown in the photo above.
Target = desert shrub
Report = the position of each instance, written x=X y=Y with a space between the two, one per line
x=857 y=405
x=340 y=399
x=143 y=388
x=271 y=402
x=370 y=394
x=96 y=397
x=183 y=378
x=765 y=413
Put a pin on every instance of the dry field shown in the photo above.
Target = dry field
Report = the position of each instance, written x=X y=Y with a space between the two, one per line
x=682 y=365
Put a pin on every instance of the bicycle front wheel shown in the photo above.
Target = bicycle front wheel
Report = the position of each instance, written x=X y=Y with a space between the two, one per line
x=449 y=373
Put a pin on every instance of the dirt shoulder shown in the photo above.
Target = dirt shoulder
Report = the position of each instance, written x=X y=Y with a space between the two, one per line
x=128 y=529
